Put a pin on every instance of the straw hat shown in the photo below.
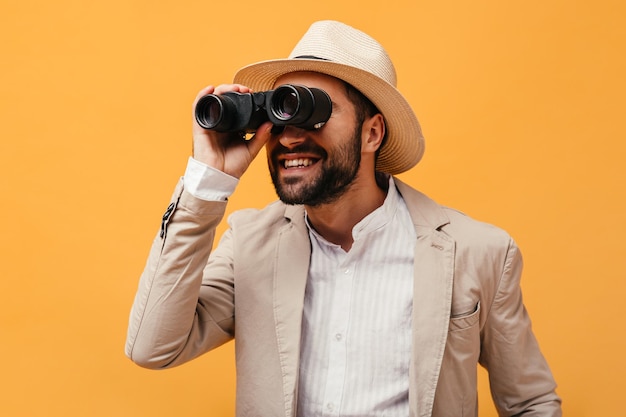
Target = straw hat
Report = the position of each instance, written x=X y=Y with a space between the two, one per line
x=338 y=50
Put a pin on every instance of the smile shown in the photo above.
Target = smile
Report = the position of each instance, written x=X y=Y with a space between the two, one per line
x=298 y=163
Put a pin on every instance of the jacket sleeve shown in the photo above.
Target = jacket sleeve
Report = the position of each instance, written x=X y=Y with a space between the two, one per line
x=177 y=315
x=520 y=379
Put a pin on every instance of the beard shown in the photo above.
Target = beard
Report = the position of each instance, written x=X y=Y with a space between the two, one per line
x=337 y=173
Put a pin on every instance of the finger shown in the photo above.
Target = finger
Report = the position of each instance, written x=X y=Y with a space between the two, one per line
x=238 y=88
x=221 y=89
x=206 y=90
x=260 y=138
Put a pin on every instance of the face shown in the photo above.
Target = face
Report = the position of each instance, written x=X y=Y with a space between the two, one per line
x=316 y=167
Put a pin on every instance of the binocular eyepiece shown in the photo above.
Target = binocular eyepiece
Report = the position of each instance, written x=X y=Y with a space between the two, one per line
x=289 y=104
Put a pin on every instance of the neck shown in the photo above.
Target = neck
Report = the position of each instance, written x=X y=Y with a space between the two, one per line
x=335 y=221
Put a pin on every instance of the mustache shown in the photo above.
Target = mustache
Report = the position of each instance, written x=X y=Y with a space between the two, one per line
x=308 y=148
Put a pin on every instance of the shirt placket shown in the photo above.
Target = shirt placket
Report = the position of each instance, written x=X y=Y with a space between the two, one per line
x=339 y=325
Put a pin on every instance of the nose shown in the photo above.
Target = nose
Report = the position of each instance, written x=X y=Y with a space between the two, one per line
x=291 y=137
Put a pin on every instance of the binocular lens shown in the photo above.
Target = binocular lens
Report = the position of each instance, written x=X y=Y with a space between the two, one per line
x=214 y=112
x=210 y=111
x=300 y=106
x=285 y=104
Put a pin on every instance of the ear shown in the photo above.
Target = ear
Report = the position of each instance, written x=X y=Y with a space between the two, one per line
x=372 y=133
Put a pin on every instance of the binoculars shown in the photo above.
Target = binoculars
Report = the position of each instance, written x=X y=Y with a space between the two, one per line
x=289 y=104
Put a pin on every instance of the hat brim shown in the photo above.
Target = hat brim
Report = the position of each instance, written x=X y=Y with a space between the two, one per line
x=404 y=146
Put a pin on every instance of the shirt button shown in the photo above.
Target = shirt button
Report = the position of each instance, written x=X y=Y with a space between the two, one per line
x=338 y=336
x=346 y=271
x=330 y=406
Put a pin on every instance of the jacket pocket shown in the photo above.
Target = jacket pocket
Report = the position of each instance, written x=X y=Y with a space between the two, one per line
x=456 y=393
x=465 y=320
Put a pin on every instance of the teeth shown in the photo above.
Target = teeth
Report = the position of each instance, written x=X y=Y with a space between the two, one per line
x=294 y=163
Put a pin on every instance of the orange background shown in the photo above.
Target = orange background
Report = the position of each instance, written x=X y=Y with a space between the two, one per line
x=522 y=106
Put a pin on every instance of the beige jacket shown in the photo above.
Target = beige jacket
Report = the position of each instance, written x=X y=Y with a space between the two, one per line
x=467 y=307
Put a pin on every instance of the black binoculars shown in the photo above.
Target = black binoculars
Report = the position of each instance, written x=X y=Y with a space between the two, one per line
x=289 y=104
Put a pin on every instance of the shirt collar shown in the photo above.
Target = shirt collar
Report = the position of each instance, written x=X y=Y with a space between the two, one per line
x=373 y=221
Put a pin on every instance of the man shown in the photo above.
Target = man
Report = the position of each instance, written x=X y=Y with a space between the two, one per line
x=355 y=295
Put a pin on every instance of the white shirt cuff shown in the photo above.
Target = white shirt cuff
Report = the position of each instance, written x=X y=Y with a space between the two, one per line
x=207 y=183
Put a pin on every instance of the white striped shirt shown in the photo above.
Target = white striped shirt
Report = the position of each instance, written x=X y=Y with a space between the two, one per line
x=356 y=326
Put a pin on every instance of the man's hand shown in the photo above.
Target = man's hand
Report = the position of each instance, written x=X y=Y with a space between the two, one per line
x=227 y=152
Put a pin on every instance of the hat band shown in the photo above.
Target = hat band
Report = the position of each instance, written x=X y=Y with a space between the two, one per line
x=310 y=57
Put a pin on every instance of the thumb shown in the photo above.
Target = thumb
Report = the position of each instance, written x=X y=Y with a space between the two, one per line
x=260 y=138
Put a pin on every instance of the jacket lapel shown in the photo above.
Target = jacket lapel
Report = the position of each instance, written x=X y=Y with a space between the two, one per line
x=292 y=268
x=432 y=298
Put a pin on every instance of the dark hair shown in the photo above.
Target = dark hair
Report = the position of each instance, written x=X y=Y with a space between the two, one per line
x=364 y=108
